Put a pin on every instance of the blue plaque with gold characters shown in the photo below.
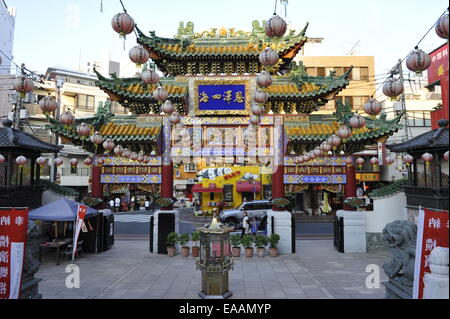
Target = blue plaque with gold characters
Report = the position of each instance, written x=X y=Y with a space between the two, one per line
x=221 y=97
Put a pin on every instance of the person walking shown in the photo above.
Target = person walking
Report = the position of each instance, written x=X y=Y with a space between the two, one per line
x=117 y=204
x=245 y=225
x=111 y=204
x=147 y=204
x=254 y=226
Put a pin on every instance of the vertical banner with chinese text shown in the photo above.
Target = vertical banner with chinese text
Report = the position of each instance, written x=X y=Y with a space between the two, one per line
x=13 y=239
x=432 y=231
x=81 y=212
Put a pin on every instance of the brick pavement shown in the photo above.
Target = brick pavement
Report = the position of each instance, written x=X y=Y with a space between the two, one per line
x=128 y=270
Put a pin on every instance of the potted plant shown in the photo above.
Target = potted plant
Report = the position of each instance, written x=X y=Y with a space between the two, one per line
x=171 y=240
x=236 y=243
x=261 y=242
x=195 y=237
x=183 y=239
x=247 y=241
x=273 y=240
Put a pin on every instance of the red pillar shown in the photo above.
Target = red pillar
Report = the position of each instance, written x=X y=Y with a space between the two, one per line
x=96 y=186
x=278 y=185
x=167 y=183
x=278 y=165
x=350 y=186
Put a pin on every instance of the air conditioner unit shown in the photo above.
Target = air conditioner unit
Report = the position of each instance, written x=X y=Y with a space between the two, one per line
x=24 y=114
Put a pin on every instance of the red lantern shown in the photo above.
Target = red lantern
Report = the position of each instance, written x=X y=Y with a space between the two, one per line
x=83 y=130
x=275 y=27
x=256 y=110
x=100 y=161
x=41 y=161
x=264 y=79
x=73 y=162
x=167 y=107
x=442 y=27
x=334 y=141
x=393 y=87
x=389 y=159
x=268 y=57
x=21 y=160
x=58 y=161
x=150 y=77
x=418 y=61
x=360 y=162
x=67 y=118
x=118 y=150
x=408 y=159
x=2 y=159
x=23 y=85
x=344 y=132
x=139 y=55
x=96 y=139
x=446 y=156
x=123 y=24
x=126 y=153
x=427 y=158
x=175 y=118
x=357 y=121
x=160 y=94
x=134 y=156
x=48 y=104
x=87 y=161
x=372 y=107
x=374 y=161
x=260 y=97
x=108 y=145
x=349 y=161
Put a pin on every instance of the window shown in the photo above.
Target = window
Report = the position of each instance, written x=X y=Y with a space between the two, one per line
x=348 y=100
x=364 y=73
x=320 y=71
x=211 y=196
x=73 y=170
x=86 y=102
x=338 y=99
x=190 y=168
x=311 y=71
x=339 y=70
x=419 y=119
x=350 y=75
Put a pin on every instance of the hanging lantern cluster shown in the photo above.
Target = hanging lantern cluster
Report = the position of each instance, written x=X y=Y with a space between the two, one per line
x=2 y=159
x=123 y=24
x=372 y=107
x=392 y=87
x=83 y=131
x=374 y=161
x=275 y=26
x=418 y=61
x=67 y=118
x=96 y=139
x=150 y=76
x=73 y=162
x=427 y=158
x=139 y=55
x=360 y=162
x=408 y=159
x=108 y=145
x=442 y=27
x=357 y=121
x=23 y=85
x=48 y=104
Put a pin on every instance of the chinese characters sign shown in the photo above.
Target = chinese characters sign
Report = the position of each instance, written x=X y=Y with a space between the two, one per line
x=13 y=238
x=439 y=64
x=221 y=97
x=432 y=232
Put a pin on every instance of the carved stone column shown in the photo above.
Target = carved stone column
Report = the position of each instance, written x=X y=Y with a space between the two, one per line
x=436 y=283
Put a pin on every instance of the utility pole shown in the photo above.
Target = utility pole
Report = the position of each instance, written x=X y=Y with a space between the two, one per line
x=18 y=103
x=402 y=100
x=59 y=82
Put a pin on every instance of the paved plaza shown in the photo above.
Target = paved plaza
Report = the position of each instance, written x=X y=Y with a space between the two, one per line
x=128 y=270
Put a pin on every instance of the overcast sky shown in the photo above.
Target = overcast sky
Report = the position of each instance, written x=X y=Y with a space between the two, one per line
x=68 y=33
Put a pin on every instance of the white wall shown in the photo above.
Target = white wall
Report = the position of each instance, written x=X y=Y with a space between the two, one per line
x=7 y=17
x=386 y=210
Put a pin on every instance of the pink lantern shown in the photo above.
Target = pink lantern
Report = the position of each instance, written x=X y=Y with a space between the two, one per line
x=160 y=94
x=334 y=141
x=48 y=104
x=408 y=159
x=2 y=159
x=123 y=24
x=389 y=159
x=418 y=61
x=357 y=121
x=126 y=153
x=255 y=119
x=446 y=156
x=83 y=130
x=41 y=161
x=264 y=79
x=167 y=107
x=175 y=118
x=325 y=147
x=108 y=145
x=141 y=157
x=344 y=132
x=312 y=155
x=268 y=57
x=100 y=161
x=256 y=110
x=146 y=160
x=21 y=160
x=73 y=162
x=134 y=156
x=23 y=85
x=118 y=150
x=442 y=27
x=349 y=161
x=306 y=157
x=427 y=158
x=150 y=77
x=96 y=138
x=58 y=161
x=372 y=107
x=275 y=27
x=260 y=96
x=317 y=152
x=374 y=161
x=67 y=118
x=360 y=162
x=139 y=55
x=87 y=161
x=393 y=87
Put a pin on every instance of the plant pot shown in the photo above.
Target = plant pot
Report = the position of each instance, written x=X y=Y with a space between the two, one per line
x=195 y=251
x=273 y=251
x=171 y=251
x=185 y=251
x=236 y=251
x=248 y=251
x=261 y=251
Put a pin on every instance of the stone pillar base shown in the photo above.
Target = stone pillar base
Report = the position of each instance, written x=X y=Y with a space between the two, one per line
x=283 y=227
x=354 y=231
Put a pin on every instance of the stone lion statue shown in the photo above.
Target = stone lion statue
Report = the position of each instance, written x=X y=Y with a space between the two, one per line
x=401 y=238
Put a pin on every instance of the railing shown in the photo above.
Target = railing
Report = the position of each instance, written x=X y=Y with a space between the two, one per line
x=78 y=172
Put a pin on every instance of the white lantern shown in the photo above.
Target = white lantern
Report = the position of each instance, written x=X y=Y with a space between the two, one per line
x=256 y=109
x=275 y=26
x=442 y=27
x=160 y=94
x=357 y=121
x=372 y=107
x=123 y=24
x=150 y=77
x=167 y=107
x=392 y=87
x=418 y=61
x=261 y=97
x=139 y=55
x=268 y=57
x=264 y=79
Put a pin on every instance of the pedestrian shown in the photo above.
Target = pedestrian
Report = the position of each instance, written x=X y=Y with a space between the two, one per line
x=245 y=225
x=254 y=225
x=117 y=204
x=111 y=204
x=147 y=204
x=221 y=205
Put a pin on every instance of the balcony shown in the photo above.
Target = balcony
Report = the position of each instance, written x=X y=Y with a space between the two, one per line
x=430 y=197
x=79 y=177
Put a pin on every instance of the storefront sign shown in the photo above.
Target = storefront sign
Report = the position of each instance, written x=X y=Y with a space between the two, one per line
x=13 y=239
x=439 y=64
x=132 y=179
x=432 y=231
x=368 y=177
x=315 y=179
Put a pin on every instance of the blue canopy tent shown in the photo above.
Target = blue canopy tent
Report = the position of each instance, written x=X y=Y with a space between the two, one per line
x=60 y=210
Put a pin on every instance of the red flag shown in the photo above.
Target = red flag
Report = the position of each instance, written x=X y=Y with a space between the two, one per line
x=81 y=212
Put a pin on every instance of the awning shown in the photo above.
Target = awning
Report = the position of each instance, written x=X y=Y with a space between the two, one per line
x=198 y=188
x=248 y=187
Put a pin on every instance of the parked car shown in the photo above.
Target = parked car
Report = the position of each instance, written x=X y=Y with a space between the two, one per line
x=258 y=209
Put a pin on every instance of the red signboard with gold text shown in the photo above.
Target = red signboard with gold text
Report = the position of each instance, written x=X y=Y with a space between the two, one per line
x=439 y=64
x=13 y=239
